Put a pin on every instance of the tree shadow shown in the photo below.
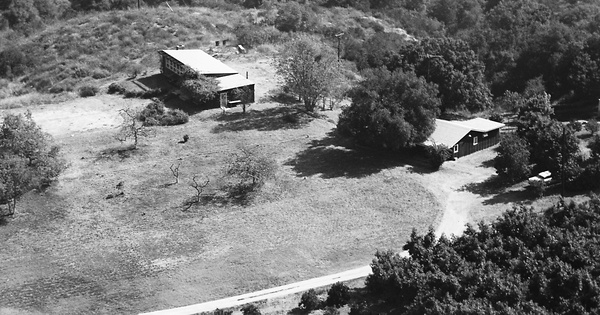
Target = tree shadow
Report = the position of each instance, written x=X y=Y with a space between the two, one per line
x=490 y=186
x=275 y=118
x=498 y=193
x=522 y=196
x=281 y=97
x=122 y=152
x=336 y=156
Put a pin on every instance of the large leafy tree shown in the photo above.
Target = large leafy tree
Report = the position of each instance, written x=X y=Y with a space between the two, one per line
x=308 y=68
x=525 y=262
x=28 y=160
x=454 y=67
x=391 y=109
x=512 y=161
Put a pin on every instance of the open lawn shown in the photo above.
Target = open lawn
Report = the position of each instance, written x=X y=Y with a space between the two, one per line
x=70 y=250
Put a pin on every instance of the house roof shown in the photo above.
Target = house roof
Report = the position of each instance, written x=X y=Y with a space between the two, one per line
x=232 y=81
x=481 y=124
x=449 y=132
x=200 y=61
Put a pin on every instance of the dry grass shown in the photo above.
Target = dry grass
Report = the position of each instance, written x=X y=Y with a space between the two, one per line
x=69 y=250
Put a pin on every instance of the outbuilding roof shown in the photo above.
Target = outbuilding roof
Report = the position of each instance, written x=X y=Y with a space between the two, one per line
x=449 y=132
x=200 y=61
x=232 y=81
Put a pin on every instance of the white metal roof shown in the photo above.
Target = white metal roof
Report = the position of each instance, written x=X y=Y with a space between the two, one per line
x=232 y=81
x=447 y=133
x=481 y=124
x=200 y=61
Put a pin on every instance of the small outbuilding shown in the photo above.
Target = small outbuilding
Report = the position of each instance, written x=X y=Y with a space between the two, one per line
x=173 y=64
x=465 y=137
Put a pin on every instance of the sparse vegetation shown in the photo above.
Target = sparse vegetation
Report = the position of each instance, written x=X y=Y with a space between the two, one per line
x=250 y=309
x=88 y=90
x=132 y=127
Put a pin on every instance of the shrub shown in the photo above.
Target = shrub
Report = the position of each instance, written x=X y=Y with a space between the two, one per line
x=575 y=125
x=88 y=90
x=309 y=300
x=331 y=311
x=438 y=154
x=155 y=114
x=250 y=309
x=538 y=187
x=116 y=88
x=338 y=295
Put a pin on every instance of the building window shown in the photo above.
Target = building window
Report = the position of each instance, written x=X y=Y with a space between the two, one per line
x=456 y=148
x=474 y=140
x=485 y=135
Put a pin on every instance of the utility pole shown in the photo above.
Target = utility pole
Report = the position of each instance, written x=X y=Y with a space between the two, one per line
x=339 y=38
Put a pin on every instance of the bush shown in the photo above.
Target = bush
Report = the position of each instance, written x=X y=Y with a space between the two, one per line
x=116 y=88
x=538 y=187
x=88 y=90
x=155 y=114
x=338 y=295
x=250 y=309
x=438 y=154
x=309 y=300
x=331 y=311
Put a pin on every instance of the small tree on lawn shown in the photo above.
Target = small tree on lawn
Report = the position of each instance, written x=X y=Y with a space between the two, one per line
x=251 y=167
x=338 y=295
x=131 y=127
x=27 y=159
x=308 y=68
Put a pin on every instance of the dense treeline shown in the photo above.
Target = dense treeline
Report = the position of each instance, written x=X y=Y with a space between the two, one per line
x=523 y=263
x=550 y=45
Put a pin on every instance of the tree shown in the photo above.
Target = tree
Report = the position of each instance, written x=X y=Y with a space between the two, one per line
x=28 y=159
x=525 y=262
x=391 y=110
x=250 y=309
x=251 y=167
x=308 y=68
x=512 y=161
x=438 y=154
x=309 y=300
x=131 y=127
x=453 y=66
x=592 y=126
x=338 y=295
x=245 y=95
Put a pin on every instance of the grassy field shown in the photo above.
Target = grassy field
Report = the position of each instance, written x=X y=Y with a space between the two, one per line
x=70 y=250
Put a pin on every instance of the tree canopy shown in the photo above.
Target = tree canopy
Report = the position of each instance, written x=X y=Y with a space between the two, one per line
x=391 y=110
x=28 y=159
x=309 y=69
x=526 y=262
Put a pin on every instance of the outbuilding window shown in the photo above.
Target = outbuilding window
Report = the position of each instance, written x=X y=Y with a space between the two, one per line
x=474 y=140
x=456 y=148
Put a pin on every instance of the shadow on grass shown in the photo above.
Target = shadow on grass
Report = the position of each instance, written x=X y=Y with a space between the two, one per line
x=280 y=117
x=278 y=96
x=494 y=188
x=122 y=152
x=335 y=156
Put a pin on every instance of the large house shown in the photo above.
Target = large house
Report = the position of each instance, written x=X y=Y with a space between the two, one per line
x=465 y=137
x=173 y=64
